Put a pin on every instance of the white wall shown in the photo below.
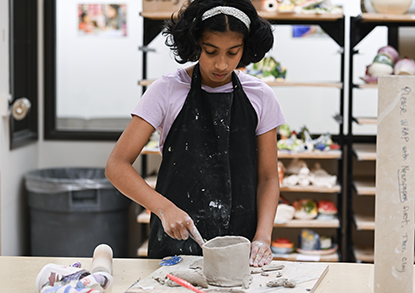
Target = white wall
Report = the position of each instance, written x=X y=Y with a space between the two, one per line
x=98 y=72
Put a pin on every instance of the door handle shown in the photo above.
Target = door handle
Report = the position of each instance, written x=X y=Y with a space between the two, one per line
x=21 y=108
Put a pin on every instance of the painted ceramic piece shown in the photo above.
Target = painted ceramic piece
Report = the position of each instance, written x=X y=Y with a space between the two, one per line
x=391 y=6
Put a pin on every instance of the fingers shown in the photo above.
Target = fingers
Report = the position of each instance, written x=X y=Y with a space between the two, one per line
x=177 y=224
x=260 y=254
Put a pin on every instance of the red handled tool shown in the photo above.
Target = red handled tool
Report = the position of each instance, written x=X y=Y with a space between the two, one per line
x=184 y=283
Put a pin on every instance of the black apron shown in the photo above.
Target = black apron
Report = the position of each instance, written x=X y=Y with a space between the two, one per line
x=209 y=168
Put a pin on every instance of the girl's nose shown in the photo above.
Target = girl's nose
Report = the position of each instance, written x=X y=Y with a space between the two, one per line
x=221 y=63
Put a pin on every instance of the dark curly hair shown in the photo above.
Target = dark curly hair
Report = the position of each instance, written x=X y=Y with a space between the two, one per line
x=185 y=30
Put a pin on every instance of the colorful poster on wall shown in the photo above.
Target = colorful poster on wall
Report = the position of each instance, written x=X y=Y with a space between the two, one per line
x=102 y=20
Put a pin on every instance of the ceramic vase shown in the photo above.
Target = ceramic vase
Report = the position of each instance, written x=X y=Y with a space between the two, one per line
x=391 y=6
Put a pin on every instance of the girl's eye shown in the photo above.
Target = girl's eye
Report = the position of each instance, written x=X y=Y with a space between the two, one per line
x=210 y=53
x=232 y=53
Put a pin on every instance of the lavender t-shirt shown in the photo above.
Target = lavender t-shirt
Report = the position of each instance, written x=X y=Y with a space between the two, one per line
x=164 y=98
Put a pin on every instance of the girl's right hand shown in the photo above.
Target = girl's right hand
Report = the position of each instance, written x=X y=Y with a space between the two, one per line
x=176 y=223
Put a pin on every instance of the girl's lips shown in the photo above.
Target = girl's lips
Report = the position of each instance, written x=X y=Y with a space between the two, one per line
x=219 y=76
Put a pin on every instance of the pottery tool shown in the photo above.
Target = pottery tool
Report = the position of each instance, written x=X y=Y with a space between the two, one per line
x=195 y=235
x=102 y=259
x=184 y=283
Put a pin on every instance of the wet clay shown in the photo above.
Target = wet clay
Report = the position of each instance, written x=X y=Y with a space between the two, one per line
x=226 y=261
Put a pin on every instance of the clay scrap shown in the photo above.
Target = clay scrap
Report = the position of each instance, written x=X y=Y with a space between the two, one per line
x=267 y=268
x=282 y=282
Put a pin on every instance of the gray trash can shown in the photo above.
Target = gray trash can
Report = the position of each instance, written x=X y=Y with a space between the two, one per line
x=72 y=210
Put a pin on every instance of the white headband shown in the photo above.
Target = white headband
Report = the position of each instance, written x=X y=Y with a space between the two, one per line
x=235 y=12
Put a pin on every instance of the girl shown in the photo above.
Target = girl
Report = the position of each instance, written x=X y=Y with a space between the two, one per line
x=218 y=139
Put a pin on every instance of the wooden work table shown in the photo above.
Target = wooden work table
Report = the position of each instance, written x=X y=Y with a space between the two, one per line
x=18 y=274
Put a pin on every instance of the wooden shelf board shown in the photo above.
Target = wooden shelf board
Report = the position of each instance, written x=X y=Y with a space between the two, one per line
x=334 y=257
x=365 y=151
x=150 y=152
x=161 y=15
x=332 y=154
x=151 y=181
x=364 y=253
x=367 y=120
x=300 y=16
x=310 y=224
x=365 y=186
x=377 y=17
x=311 y=188
x=142 y=251
x=367 y=86
x=157 y=15
x=365 y=222
x=337 y=85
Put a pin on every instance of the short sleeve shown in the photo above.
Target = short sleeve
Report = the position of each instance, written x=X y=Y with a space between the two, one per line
x=270 y=112
x=151 y=106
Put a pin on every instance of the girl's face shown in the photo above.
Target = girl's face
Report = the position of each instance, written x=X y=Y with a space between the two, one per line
x=221 y=53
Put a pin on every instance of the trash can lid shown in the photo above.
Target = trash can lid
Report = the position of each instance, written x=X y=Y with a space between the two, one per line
x=55 y=180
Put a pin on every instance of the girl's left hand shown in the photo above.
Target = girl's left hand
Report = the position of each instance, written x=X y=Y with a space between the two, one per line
x=261 y=253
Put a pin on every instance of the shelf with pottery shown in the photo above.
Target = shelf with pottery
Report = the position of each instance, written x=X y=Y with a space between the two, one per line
x=387 y=18
x=333 y=257
x=361 y=182
x=144 y=218
x=152 y=180
x=332 y=154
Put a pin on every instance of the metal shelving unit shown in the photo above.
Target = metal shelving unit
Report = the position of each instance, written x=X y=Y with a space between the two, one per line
x=362 y=149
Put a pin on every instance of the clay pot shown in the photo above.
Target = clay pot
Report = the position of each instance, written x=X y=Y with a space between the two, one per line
x=226 y=261
x=366 y=6
x=391 y=6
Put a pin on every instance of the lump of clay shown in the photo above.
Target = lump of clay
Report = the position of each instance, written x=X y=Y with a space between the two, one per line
x=282 y=282
x=290 y=284
x=226 y=261
x=277 y=282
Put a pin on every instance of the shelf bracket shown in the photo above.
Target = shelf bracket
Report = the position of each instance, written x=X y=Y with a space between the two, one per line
x=360 y=31
x=335 y=31
x=151 y=29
